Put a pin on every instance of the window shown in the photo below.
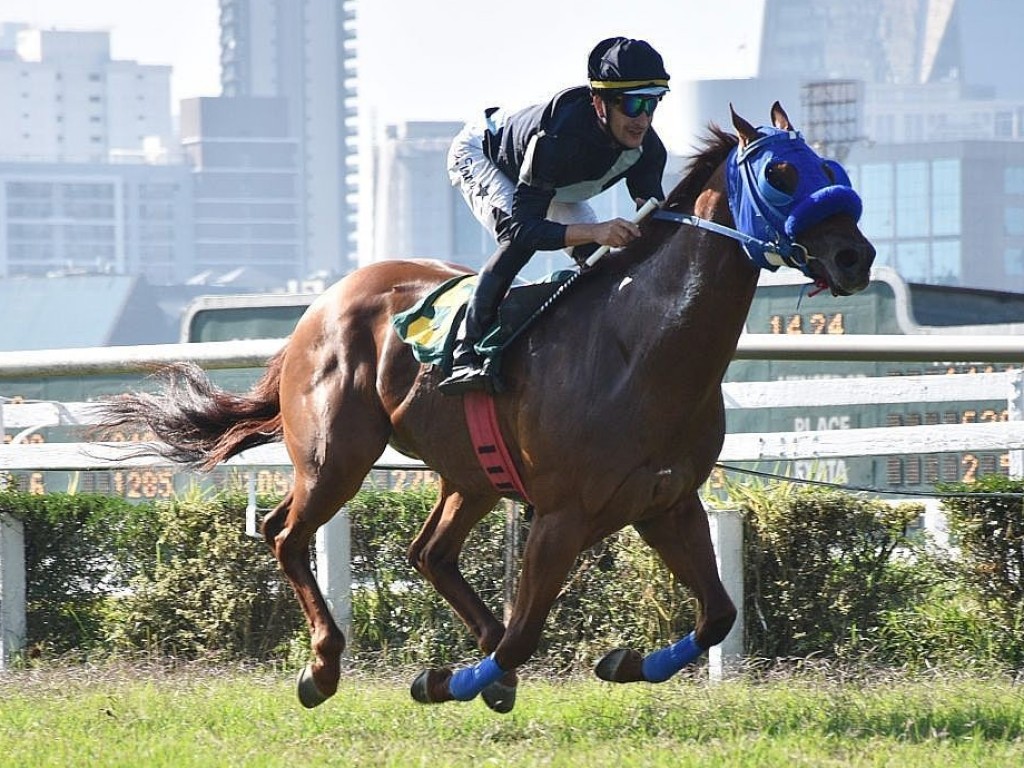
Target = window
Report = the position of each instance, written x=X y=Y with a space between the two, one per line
x=913 y=127
x=29 y=189
x=1013 y=261
x=1013 y=220
x=912 y=261
x=946 y=197
x=87 y=191
x=883 y=254
x=912 y=199
x=877 y=194
x=1013 y=180
x=1003 y=128
x=946 y=268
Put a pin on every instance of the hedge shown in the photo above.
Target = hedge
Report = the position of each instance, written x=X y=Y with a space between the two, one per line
x=827 y=574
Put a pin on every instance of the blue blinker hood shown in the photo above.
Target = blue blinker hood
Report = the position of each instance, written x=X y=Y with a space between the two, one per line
x=776 y=218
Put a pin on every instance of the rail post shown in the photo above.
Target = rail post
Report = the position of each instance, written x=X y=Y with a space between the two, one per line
x=1015 y=412
x=725 y=658
x=12 y=588
x=334 y=569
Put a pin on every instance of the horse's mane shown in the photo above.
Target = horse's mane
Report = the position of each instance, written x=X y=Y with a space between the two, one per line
x=717 y=144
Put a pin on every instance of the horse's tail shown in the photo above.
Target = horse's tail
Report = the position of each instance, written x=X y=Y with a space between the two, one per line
x=201 y=424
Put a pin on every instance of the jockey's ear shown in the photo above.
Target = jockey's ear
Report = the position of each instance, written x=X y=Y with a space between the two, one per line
x=746 y=131
x=600 y=107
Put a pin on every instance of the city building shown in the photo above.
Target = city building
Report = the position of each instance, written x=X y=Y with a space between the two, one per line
x=245 y=166
x=303 y=52
x=945 y=213
x=923 y=99
x=125 y=219
x=417 y=213
x=895 y=42
x=65 y=100
x=90 y=180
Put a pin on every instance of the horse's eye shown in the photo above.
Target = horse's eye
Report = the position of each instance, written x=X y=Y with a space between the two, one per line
x=829 y=173
x=783 y=177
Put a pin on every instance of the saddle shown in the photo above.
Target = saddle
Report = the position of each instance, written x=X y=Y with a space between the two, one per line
x=431 y=325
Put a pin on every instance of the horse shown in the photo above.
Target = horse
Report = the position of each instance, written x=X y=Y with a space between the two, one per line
x=612 y=410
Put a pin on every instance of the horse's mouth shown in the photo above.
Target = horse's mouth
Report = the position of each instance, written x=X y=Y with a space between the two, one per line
x=845 y=273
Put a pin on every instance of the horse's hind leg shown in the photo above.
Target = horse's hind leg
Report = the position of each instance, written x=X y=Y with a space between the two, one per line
x=321 y=488
x=682 y=537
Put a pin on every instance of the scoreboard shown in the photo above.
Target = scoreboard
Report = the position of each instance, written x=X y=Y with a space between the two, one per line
x=887 y=306
x=781 y=306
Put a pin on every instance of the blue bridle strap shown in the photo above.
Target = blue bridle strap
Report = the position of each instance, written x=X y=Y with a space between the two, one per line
x=797 y=257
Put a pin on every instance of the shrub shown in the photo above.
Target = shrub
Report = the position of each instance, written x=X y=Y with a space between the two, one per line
x=827 y=574
x=205 y=587
x=79 y=550
x=394 y=609
x=819 y=569
x=617 y=594
x=988 y=532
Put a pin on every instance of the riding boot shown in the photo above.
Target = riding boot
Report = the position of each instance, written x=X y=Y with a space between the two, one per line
x=469 y=369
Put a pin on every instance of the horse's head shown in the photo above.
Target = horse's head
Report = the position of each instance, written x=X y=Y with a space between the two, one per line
x=799 y=208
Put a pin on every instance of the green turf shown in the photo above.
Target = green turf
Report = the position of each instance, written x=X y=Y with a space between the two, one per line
x=129 y=716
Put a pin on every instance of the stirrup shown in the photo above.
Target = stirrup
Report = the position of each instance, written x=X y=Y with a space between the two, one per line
x=468 y=379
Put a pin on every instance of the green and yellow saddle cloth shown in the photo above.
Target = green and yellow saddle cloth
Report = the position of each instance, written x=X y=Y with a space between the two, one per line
x=431 y=325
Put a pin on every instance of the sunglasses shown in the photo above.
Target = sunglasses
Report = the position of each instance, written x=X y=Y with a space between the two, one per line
x=633 y=105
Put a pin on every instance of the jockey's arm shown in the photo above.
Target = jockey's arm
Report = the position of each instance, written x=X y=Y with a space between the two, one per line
x=529 y=228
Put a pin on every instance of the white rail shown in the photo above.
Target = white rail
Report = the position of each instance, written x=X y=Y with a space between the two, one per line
x=24 y=419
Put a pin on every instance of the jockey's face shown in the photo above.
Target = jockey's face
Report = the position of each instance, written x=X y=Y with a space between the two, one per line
x=628 y=131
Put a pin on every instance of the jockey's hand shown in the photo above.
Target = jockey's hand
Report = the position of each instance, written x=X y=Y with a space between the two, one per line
x=616 y=233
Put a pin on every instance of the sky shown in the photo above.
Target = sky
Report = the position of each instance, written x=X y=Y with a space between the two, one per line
x=440 y=60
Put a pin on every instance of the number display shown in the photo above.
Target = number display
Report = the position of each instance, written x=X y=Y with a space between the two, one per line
x=815 y=323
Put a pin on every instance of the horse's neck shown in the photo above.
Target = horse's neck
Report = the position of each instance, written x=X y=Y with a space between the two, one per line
x=702 y=288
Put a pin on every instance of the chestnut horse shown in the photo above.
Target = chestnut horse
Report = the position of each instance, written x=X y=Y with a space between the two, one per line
x=612 y=410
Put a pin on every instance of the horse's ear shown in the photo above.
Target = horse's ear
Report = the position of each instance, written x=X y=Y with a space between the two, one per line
x=746 y=131
x=780 y=119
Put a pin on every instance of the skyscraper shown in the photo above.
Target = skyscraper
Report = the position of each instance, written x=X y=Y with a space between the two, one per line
x=63 y=98
x=303 y=51
x=896 y=42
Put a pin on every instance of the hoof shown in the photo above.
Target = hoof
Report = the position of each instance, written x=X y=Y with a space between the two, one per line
x=621 y=666
x=431 y=686
x=499 y=697
x=309 y=695
x=420 y=690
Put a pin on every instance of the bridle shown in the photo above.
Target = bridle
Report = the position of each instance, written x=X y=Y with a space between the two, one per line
x=768 y=220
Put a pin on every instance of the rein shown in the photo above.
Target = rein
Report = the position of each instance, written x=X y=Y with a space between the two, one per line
x=770 y=250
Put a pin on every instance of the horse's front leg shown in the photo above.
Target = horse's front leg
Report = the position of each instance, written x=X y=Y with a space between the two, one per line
x=435 y=554
x=551 y=551
x=682 y=537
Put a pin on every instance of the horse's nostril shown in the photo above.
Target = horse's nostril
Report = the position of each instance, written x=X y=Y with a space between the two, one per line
x=847 y=259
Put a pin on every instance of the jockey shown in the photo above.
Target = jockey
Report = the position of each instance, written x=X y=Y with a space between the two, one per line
x=526 y=176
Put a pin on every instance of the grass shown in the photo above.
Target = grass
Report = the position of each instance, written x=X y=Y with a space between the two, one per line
x=131 y=716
